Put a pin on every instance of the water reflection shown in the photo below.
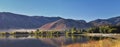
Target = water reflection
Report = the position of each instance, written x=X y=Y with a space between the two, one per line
x=58 y=41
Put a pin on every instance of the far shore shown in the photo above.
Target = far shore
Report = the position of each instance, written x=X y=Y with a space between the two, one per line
x=103 y=34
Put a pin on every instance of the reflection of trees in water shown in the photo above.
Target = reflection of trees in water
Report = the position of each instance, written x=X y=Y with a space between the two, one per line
x=29 y=36
x=56 y=36
x=73 y=39
x=61 y=40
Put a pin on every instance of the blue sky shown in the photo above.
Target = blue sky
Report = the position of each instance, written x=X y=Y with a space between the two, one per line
x=75 y=9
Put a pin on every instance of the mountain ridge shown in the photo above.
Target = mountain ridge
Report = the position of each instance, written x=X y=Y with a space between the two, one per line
x=10 y=20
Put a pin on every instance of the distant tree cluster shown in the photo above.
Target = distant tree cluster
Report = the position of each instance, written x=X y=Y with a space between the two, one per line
x=104 y=29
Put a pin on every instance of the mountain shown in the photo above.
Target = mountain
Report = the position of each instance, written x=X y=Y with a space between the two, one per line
x=63 y=24
x=111 y=21
x=10 y=20
x=17 y=21
x=45 y=20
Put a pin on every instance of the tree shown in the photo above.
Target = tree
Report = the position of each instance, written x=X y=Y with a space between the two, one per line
x=73 y=30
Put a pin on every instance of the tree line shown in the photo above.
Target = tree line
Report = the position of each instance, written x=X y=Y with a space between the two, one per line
x=101 y=29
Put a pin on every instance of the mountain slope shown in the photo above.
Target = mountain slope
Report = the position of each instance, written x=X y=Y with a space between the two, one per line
x=16 y=21
x=110 y=21
x=63 y=24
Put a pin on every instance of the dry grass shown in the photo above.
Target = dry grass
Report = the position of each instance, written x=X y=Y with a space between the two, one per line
x=100 y=43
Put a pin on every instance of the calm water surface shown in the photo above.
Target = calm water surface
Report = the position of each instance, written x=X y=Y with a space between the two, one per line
x=58 y=41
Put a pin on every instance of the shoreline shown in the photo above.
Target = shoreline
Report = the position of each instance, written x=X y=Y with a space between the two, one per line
x=104 y=35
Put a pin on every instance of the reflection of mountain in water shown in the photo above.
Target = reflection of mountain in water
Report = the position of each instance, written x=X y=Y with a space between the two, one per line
x=50 y=41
